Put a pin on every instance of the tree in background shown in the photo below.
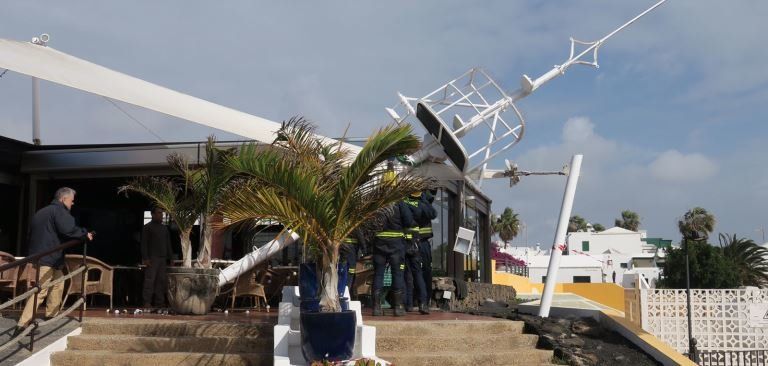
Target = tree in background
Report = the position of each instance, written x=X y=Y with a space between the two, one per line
x=749 y=260
x=696 y=224
x=507 y=225
x=577 y=223
x=629 y=220
x=598 y=228
x=709 y=268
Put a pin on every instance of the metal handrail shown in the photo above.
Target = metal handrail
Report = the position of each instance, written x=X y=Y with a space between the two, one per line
x=35 y=260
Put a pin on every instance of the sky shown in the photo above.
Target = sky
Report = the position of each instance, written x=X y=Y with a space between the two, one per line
x=674 y=117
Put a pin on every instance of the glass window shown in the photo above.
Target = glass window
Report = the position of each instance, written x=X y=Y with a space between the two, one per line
x=472 y=261
x=585 y=246
x=581 y=279
x=440 y=231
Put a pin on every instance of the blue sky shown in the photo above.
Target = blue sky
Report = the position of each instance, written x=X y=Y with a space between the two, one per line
x=674 y=117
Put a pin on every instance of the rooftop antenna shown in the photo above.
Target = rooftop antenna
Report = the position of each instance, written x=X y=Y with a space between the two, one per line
x=475 y=100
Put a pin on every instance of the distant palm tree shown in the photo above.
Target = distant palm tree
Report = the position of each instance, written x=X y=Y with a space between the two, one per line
x=696 y=224
x=749 y=259
x=577 y=223
x=598 y=228
x=629 y=220
x=507 y=225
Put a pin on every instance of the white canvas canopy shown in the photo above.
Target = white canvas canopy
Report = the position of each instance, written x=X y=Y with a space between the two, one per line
x=57 y=67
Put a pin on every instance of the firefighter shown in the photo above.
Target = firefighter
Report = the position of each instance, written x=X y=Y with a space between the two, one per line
x=413 y=263
x=424 y=221
x=389 y=248
x=350 y=250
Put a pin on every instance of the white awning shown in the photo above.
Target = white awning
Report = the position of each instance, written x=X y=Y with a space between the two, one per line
x=49 y=64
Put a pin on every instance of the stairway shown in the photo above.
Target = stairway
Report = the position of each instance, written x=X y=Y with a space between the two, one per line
x=155 y=342
x=457 y=342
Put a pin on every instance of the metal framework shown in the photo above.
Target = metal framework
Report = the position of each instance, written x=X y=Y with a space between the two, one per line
x=484 y=118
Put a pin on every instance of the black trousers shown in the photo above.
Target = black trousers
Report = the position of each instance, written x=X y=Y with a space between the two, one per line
x=155 y=282
x=425 y=251
x=388 y=251
x=414 y=281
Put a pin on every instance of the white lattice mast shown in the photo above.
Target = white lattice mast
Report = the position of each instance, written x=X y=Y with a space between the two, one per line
x=485 y=122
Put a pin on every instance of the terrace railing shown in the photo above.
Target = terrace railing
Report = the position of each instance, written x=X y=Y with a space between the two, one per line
x=34 y=290
x=733 y=358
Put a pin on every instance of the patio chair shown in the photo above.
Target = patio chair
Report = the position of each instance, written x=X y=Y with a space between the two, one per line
x=9 y=279
x=250 y=285
x=98 y=280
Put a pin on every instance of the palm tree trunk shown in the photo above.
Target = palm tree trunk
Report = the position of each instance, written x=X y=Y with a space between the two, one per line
x=329 y=293
x=186 y=248
x=204 y=254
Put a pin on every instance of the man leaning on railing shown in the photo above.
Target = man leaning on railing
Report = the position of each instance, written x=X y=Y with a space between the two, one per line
x=49 y=228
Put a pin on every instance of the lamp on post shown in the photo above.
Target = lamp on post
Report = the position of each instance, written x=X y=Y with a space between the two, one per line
x=696 y=236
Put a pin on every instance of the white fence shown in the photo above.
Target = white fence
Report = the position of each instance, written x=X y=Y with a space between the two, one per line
x=721 y=318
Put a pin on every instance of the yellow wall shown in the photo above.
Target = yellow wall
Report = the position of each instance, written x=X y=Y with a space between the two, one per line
x=608 y=294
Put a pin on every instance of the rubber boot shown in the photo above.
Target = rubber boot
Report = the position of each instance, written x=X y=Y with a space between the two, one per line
x=377 y=303
x=423 y=308
x=397 y=303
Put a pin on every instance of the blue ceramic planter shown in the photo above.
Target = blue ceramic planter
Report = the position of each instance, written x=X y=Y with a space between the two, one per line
x=308 y=281
x=327 y=336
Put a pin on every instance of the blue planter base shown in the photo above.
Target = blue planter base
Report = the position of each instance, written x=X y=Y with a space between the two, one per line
x=328 y=336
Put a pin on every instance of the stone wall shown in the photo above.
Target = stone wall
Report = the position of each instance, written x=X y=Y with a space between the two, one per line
x=478 y=292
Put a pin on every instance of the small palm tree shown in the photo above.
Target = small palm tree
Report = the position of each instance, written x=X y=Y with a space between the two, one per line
x=507 y=225
x=598 y=227
x=168 y=194
x=696 y=224
x=194 y=193
x=319 y=190
x=205 y=183
x=749 y=259
x=629 y=220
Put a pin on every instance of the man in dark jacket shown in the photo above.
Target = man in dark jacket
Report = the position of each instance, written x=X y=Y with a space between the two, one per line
x=428 y=213
x=50 y=227
x=349 y=252
x=155 y=252
x=389 y=247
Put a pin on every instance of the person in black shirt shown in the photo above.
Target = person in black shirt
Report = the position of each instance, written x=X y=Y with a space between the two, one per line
x=155 y=253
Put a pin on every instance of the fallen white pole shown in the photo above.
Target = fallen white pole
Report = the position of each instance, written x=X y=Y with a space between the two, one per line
x=259 y=255
x=559 y=242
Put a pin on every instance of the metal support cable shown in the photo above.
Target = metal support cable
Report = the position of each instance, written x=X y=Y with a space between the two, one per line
x=134 y=119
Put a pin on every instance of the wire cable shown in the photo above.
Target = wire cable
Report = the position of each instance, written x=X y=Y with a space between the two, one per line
x=133 y=118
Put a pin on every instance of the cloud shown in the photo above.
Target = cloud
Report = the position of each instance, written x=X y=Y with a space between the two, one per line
x=673 y=166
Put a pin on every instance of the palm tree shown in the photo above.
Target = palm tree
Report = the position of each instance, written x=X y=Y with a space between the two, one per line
x=696 y=224
x=507 y=225
x=319 y=190
x=749 y=259
x=629 y=220
x=598 y=227
x=577 y=223
x=169 y=194
x=195 y=194
x=205 y=183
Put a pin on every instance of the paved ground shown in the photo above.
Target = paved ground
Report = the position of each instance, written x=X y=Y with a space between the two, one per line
x=567 y=301
x=47 y=335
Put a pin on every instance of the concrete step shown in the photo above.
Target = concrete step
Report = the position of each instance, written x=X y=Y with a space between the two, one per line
x=111 y=358
x=175 y=328
x=507 y=357
x=464 y=342
x=131 y=343
x=446 y=328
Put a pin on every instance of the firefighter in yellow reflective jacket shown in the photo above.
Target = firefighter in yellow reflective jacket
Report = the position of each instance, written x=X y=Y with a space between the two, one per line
x=389 y=248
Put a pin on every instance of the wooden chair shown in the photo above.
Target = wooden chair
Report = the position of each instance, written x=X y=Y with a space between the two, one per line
x=250 y=284
x=9 y=279
x=363 y=284
x=98 y=280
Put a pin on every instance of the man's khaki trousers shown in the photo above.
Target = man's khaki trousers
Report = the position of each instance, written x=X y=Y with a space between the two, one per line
x=53 y=303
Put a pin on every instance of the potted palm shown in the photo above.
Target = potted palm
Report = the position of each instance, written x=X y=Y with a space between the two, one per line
x=191 y=195
x=323 y=193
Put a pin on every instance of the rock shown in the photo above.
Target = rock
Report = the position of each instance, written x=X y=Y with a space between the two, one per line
x=619 y=358
x=593 y=359
x=587 y=327
x=572 y=342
